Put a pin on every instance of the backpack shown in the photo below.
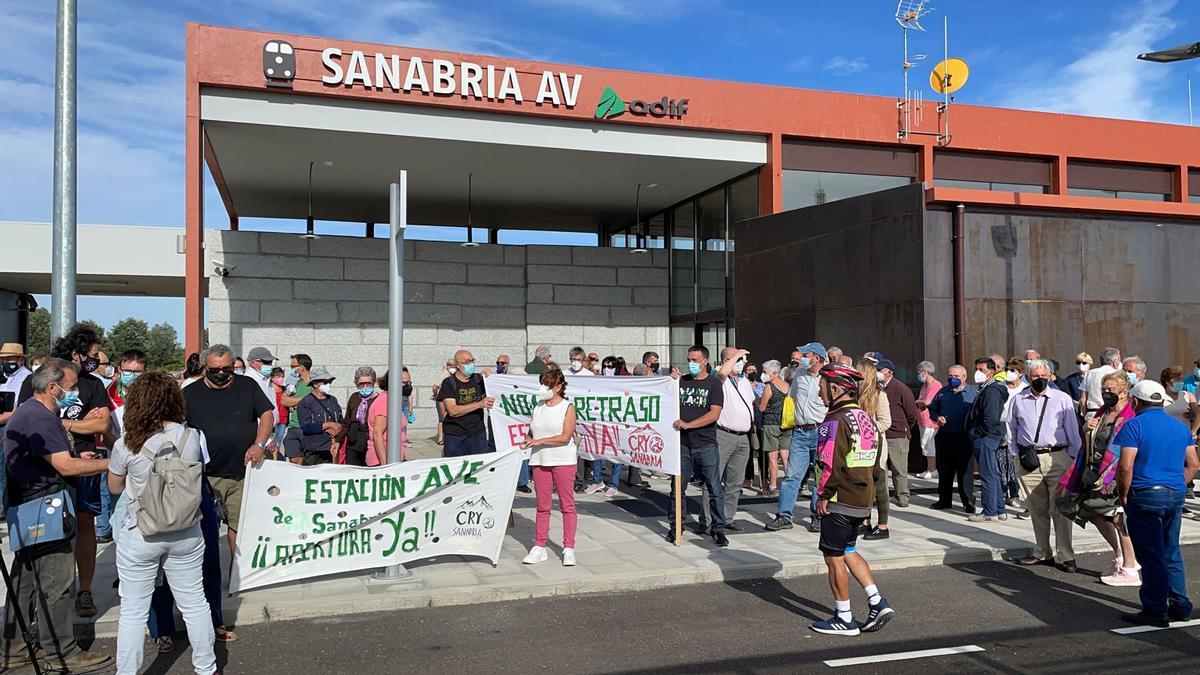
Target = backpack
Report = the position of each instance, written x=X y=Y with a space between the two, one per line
x=170 y=502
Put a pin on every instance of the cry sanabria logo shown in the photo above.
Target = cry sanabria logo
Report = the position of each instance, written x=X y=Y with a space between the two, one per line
x=612 y=105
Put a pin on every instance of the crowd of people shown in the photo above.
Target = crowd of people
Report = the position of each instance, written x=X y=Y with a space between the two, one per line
x=1105 y=446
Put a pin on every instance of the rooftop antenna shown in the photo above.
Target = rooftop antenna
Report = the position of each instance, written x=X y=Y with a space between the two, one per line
x=908 y=15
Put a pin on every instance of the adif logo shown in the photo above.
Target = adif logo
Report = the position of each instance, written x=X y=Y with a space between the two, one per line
x=611 y=105
x=279 y=63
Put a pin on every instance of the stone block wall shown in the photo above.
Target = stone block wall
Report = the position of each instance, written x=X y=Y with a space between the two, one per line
x=327 y=298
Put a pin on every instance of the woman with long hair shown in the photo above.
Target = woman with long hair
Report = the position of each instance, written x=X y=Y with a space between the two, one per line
x=153 y=425
x=551 y=441
x=874 y=402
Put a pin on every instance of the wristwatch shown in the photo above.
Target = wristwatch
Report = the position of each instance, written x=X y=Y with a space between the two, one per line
x=262 y=445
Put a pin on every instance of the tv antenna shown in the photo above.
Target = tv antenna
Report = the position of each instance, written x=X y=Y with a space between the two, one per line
x=908 y=15
x=946 y=78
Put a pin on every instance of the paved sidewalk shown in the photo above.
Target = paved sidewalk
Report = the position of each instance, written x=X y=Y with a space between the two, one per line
x=620 y=546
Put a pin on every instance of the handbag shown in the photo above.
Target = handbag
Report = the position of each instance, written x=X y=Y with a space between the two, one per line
x=788 y=421
x=754 y=444
x=41 y=520
x=1028 y=453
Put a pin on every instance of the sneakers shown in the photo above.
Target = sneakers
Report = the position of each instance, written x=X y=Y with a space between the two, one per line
x=85 y=606
x=568 y=557
x=880 y=613
x=814 y=524
x=925 y=475
x=779 y=523
x=1121 y=578
x=536 y=555
x=1144 y=619
x=81 y=660
x=940 y=506
x=980 y=518
x=593 y=488
x=835 y=626
x=876 y=533
x=611 y=492
x=720 y=539
x=524 y=489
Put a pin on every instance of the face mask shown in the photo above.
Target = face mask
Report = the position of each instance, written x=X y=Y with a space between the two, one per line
x=1176 y=387
x=294 y=373
x=107 y=372
x=1039 y=384
x=469 y=369
x=68 y=399
x=1011 y=376
x=653 y=367
x=1196 y=373
x=544 y=393
x=451 y=369
x=1083 y=367
x=406 y=390
x=981 y=377
x=265 y=371
x=1110 y=399
x=1132 y=378
x=576 y=366
x=739 y=366
x=882 y=385
x=239 y=371
x=805 y=362
x=10 y=368
x=610 y=371
x=90 y=364
x=278 y=380
x=326 y=389
x=954 y=382
x=219 y=379
x=128 y=378
x=921 y=378
x=794 y=363
x=693 y=368
x=501 y=368
x=366 y=391
x=752 y=376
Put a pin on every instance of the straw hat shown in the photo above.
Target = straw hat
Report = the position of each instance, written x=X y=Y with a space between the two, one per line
x=11 y=349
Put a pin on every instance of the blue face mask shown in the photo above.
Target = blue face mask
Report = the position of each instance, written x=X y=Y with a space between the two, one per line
x=128 y=378
x=921 y=378
x=68 y=399
x=1177 y=387
x=265 y=370
x=366 y=391
x=805 y=363
x=693 y=368
x=294 y=372
x=954 y=382
x=1132 y=378
x=469 y=369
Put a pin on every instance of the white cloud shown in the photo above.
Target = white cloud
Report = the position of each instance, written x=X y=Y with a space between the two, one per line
x=841 y=65
x=1105 y=78
x=800 y=64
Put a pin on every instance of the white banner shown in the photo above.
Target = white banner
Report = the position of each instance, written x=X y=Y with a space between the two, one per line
x=307 y=521
x=626 y=420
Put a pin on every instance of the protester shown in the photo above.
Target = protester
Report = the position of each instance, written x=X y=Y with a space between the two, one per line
x=833 y=354
x=449 y=371
x=845 y=487
x=320 y=419
x=949 y=409
x=776 y=439
x=152 y=427
x=236 y=419
x=261 y=369
x=987 y=431
x=1090 y=396
x=1010 y=487
x=1158 y=460
x=104 y=370
x=874 y=401
x=1073 y=385
x=463 y=396
x=40 y=457
x=904 y=419
x=810 y=411
x=12 y=375
x=377 y=427
x=732 y=432
x=541 y=357
x=1135 y=369
x=1180 y=403
x=930 y=386
x=650 y=360
x=408 y=404
x=701 y=398
x=131 y=366
x=1044 y=432
x=579 y=362
x=281 y=412
x=239 y=366
x=592 y=363
x=193 y=370
x=354 y=437
x=300 y=386
x=551 y=442
x=36 y=360
x=1087 y=490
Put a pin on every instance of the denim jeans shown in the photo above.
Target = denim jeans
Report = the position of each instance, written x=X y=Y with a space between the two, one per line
x=523 y=477
x=598 y=473
x=180 y=555
x=992 y=499
x=708 y=462
x=1153 y=518
x=54 y=569
x=459 y=446
x=800 y=458
x=107 y=502
x=162 y=605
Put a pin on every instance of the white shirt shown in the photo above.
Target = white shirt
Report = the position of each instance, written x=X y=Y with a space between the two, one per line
x=1092 y=385
x=734 y=415
x=13 y=386
x=581 y=371
x=264 y=383
x=548 y=421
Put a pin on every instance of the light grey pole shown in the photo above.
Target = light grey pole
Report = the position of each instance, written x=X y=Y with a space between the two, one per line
x=64 y=260
x=399 y=220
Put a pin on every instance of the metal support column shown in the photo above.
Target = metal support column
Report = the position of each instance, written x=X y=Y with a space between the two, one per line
x=64 y=254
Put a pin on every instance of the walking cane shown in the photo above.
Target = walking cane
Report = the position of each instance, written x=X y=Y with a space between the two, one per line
x=15 y=603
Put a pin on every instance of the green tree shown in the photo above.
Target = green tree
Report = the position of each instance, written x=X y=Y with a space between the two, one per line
x=128 y=333
x=39 y=332
x=162 y=347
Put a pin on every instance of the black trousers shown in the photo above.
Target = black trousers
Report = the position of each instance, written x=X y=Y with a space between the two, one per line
x=954 y=462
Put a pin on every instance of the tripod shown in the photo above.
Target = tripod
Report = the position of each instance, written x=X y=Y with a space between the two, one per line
x=15 y=603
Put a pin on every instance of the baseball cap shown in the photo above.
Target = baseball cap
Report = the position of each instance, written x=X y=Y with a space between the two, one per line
x=813 y=348
x=260 y=354
x=885 y=362
x=1149 y=391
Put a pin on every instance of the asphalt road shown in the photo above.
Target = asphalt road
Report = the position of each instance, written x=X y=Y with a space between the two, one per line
x=1025 y=620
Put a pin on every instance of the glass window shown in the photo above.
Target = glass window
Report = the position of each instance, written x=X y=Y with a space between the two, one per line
x=711 y=262
x=808 y=188
x=986 y=185
x=545 y=238
x=1118 y=194
x=1119 y=181
x=683 y=263
x=743 y=204
x=683 y=336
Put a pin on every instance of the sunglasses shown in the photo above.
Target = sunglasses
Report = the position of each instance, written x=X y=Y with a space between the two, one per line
x=226 y=369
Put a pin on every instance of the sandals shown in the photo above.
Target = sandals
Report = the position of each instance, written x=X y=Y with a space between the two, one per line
x=164 y=644
x=225 y=635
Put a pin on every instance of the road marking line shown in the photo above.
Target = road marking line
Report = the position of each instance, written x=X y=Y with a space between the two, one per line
x=904 y=656
x=1134 y=630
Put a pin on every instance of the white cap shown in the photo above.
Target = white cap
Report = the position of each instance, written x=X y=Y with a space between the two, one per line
x=1150 y=392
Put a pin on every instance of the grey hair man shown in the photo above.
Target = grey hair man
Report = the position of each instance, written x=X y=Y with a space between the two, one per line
x=578 y=360
x=1135 y=369
x=541 y=357
x=1090 y=397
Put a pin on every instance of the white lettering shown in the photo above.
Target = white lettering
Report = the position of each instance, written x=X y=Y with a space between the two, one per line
x=357 y=70
x=570 y=92
x=384 y=72
x=472 y=74
x=330 y=58
x=548 y=90
x=491 y=81
x=443 y=77
x=416 y=76
x=510 y=86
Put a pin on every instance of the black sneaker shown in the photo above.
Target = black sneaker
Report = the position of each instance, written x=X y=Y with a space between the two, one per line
x=733 y=526
x=969 y=509
x=1144 y=619
x=880 y=614
x=525 y=489
x=1174 y=614
x=85 y=606
x=701 y=528
x=814 y=524
x=104 y=539
x=940 y=506
x=779 y=523
x=874 y=534
x=720 y=539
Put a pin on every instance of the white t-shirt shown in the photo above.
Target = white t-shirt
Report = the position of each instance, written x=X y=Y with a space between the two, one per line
x=548 y=421
x=734 y=415
x=581 y=372
x=136 y=468
x=1092 y=385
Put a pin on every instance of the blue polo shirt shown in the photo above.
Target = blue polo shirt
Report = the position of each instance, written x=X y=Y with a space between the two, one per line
x=954 y=406
x=1162 y=442
x=1191 y=383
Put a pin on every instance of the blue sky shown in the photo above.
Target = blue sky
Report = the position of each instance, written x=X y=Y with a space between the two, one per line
x=1068 y=56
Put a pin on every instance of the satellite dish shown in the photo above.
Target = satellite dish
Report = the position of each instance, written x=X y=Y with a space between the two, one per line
x=949 y=76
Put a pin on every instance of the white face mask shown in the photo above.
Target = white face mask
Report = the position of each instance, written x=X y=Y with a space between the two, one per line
x=452 y=370
x=1011 y=375
x=980 y=377
x=610 y=371
x=576 y=366
x=1083 y=368
x=326 y=389
x=544 y=393
x=739 y=366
